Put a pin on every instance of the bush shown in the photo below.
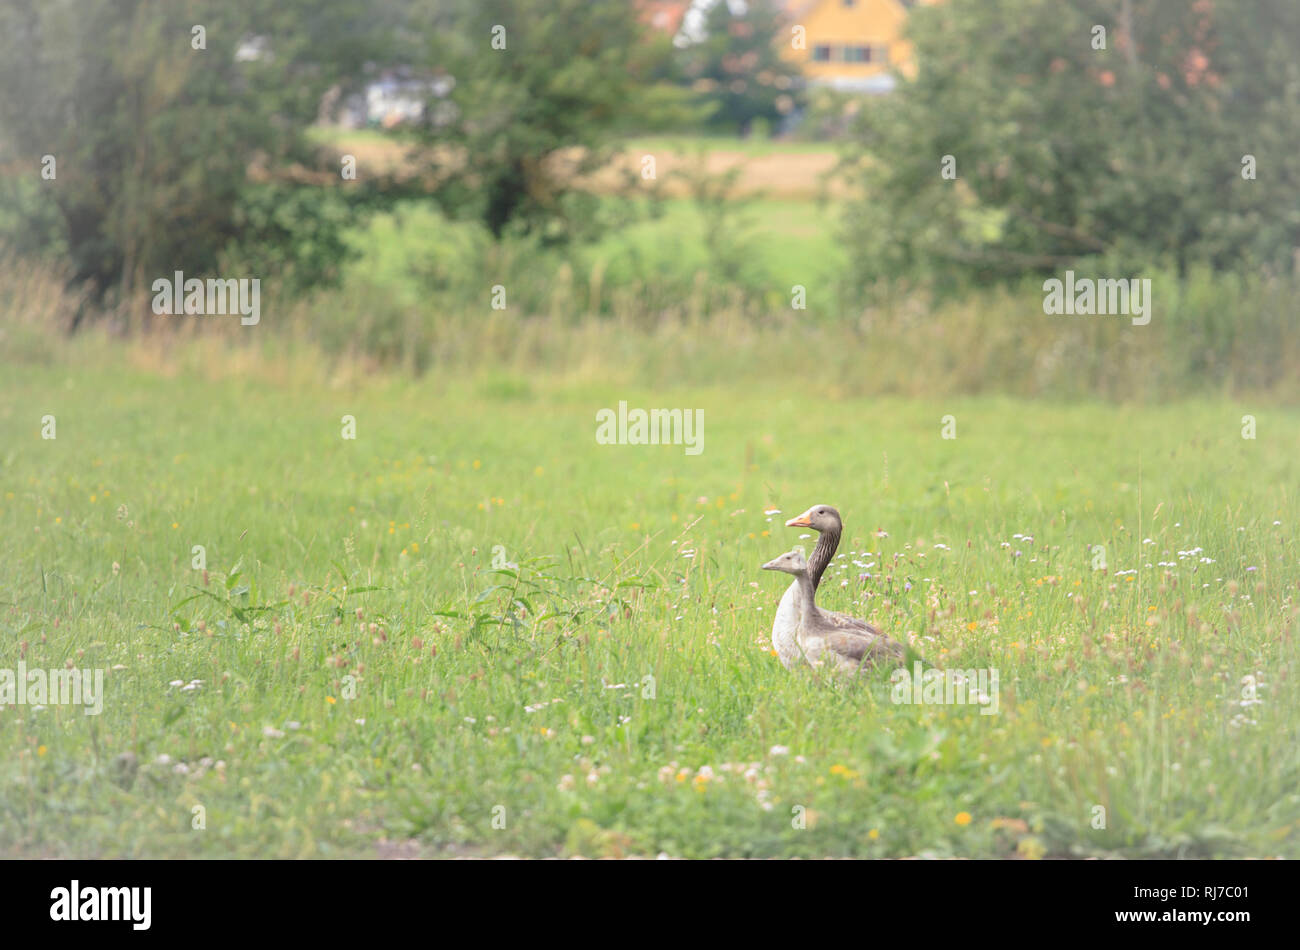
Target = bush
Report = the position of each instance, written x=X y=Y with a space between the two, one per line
x=1134 y=152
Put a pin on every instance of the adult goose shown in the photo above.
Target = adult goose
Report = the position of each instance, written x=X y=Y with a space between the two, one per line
x=826 y=521
x=833 y=639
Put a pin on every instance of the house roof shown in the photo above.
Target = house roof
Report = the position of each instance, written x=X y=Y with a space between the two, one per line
x=663 y=15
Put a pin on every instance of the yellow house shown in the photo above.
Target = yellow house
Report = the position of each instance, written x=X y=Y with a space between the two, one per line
x=851 y=44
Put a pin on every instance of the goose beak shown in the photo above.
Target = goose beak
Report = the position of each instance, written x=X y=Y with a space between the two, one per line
x=770 y=565
x=803 y=521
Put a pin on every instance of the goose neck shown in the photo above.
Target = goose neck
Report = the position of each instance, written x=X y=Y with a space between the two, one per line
x=807 y=597
x=827 y=542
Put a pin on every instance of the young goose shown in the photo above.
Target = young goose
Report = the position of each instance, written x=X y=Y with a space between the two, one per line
x=785 y=625
x=842 y=641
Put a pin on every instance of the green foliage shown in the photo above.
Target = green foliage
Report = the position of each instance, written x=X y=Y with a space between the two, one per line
x=702 y=287
x=737 y=69
x=156 y=141
x=30 y=223
x=544 y=108
x=295 y=231
x=1132 y=153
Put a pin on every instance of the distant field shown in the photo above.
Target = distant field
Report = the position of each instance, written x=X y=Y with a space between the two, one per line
x=750 y=147
x=351 y=676
x=776 y=169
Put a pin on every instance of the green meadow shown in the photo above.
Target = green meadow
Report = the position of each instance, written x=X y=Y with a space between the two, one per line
x=771 y=244
x=471 y=629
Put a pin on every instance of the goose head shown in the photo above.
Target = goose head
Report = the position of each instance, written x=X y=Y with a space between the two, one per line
x=792 y=562
x=820 y=518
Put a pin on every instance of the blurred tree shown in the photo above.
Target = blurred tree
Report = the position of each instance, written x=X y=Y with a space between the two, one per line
x=542 y=91
x=166 y=120
x=736 y=65
x=1133 y=152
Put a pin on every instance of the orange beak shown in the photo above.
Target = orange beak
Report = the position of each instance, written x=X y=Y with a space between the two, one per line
x=803 y=521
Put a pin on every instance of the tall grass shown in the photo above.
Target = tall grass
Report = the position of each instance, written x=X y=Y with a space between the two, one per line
x=1210 y=333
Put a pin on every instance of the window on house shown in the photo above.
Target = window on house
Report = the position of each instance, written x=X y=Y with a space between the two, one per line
x=821 y=54
x=857 y=54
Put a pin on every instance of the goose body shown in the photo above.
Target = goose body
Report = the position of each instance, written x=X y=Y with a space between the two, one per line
x=785 y=625
x=828 y=639
x=785 y=628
